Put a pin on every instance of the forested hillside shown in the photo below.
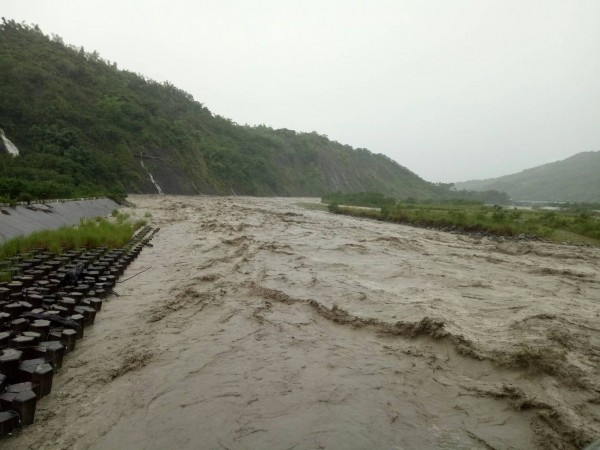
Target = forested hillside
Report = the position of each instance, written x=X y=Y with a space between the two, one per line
x=83 y=126
x=575 y=179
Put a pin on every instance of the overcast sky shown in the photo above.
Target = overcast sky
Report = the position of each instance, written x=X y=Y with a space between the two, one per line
x=451 y=89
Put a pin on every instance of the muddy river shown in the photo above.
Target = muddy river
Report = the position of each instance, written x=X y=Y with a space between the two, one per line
x=255 y=323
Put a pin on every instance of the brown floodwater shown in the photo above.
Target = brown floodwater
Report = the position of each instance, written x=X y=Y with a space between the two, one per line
x=261 y=324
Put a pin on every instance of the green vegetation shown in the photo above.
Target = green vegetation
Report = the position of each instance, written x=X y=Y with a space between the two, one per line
x=83 y=127
x=470 y=216
x=574 y=179
x=445 y=194
x=367 y=199
x=88 y=234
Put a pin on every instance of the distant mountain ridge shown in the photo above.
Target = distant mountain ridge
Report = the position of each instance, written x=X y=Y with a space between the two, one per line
x=575 y=179
x=84 y=126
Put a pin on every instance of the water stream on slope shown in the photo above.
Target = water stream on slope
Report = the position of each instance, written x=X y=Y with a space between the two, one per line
x=10 y=147
x=160 y=191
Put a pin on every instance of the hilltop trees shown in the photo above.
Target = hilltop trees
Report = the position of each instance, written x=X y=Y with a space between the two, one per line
x=84 y=127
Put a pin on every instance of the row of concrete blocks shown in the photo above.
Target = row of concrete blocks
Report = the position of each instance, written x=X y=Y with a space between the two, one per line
x=43 y=322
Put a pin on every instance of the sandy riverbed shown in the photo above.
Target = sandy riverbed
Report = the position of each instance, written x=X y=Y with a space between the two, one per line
x=260 y=324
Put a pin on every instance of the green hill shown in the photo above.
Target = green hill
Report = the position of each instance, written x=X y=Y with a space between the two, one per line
x=575 y=179
x=83 y=127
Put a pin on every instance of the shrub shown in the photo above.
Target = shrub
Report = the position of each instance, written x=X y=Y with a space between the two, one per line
x=333 y=208
x=25 y=197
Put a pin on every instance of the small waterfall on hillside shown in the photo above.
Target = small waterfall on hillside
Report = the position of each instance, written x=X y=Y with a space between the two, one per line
x=160 y=192
x=7 y=145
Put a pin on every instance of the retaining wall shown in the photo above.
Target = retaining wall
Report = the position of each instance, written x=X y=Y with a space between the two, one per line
x=25 y=219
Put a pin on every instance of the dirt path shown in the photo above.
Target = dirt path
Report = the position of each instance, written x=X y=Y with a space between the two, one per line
x=261 y=324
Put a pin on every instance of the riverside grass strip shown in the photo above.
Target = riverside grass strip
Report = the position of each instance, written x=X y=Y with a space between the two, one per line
x=90 y=233
x=577 y=227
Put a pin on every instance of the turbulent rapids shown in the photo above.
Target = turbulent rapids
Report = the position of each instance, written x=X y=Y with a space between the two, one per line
x=262 y=324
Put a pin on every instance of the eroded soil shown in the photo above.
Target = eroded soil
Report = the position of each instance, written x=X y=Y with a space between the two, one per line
x=260 y=324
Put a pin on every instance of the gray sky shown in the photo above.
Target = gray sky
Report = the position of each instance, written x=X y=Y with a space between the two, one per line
x=451 y=89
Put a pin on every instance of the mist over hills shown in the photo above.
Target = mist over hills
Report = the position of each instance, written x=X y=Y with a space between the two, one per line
x=575 y=179
x=83 y=126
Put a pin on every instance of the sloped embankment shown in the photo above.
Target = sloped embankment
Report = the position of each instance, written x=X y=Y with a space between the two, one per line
x=23 y=220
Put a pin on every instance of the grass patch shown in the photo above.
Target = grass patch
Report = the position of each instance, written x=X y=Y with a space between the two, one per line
x=367 y=199
x=564 y=236
x=90 y=233
x=468 y=216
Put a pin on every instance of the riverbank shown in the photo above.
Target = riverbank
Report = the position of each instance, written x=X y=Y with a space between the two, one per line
x=256 y=323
